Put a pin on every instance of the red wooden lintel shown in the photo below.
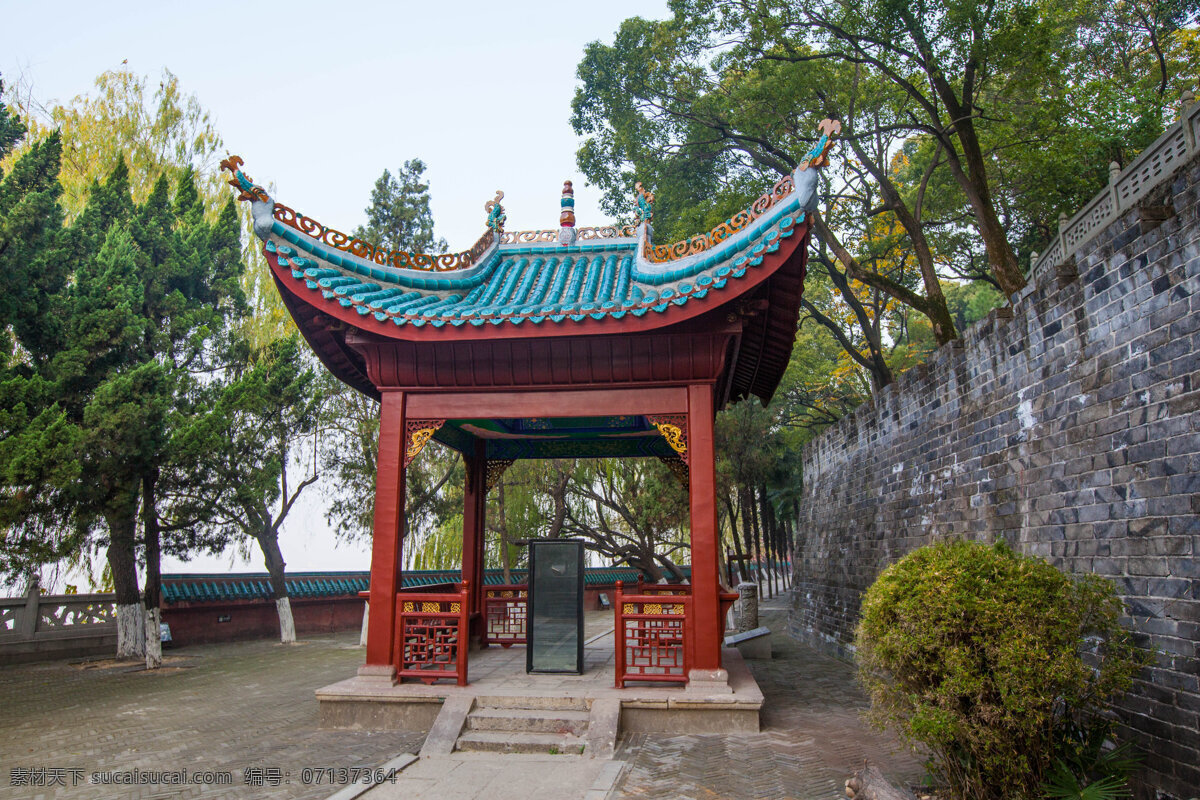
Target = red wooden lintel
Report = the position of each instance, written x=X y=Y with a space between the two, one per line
x=569 y=403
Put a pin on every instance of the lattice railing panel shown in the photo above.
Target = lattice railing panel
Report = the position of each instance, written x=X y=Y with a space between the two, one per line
x=653 y=637
x=1125 y=189
x=505 y=610
x=431 y=635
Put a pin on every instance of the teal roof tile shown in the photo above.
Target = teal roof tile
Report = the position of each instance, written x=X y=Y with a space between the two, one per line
x=536 y=284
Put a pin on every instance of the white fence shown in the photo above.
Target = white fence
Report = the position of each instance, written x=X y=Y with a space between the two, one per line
x=47 y=626
x=1126 y=187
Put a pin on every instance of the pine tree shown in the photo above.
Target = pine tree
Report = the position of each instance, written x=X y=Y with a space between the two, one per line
x=399 y=217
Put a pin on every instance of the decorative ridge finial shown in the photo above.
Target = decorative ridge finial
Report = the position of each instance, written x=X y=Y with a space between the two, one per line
x=495 y=212
x=817 y=157
x=242 y=182
x=566 y=218
x=645 y=203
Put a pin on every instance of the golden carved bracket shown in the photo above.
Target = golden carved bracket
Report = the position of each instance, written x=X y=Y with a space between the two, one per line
x=679 y=469
x=495 y=468
x=673 y=428
x=417 y=433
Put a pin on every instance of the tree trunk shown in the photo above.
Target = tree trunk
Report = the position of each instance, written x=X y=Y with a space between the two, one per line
x=751 y=502
x=287 y=625
x=502 y=529
x=768 y=523
x=268 y=542
x=747 y=534
x=558 y=495
x=974 y=179
x=934 y=306
x=122 y=563
x=153 y=570
x=645 y=564
x=737 y=544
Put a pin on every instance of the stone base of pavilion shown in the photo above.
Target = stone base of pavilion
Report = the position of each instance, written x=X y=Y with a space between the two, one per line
x=497 y=675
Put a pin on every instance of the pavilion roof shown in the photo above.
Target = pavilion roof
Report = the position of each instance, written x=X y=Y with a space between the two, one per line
x=535 y=283
x=572 y=282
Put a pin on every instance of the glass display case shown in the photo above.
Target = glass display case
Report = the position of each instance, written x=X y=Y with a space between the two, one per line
x=555 y=622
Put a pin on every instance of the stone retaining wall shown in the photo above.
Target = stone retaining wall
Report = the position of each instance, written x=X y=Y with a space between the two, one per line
x=1067 y=425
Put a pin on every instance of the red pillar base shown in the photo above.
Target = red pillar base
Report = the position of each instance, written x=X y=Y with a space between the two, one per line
x=708 y=681
x=383 y=673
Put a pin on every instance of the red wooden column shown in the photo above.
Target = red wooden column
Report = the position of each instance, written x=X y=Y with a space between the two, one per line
x=706 y=673
x=386 y=544
x=474 y=497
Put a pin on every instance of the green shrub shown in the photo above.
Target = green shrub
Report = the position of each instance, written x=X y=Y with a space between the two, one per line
x=990 y=659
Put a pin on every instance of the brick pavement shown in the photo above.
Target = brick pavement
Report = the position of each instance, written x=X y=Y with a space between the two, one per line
x=812 y=738
x=250 y=705
x=232 y=707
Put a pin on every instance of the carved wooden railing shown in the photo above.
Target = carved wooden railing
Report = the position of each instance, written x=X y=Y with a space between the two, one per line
x=431 y=634
x=655 y=631
x=663 y=588
x=505 y=611
x=654 y=636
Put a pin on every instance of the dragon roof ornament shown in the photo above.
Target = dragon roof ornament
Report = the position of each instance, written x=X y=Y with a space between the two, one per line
x=495 y=213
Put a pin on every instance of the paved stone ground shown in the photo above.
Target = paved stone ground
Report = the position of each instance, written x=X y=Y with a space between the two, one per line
x=495 y=776
x=228 y=707
x=812 y=738
x=250 y=706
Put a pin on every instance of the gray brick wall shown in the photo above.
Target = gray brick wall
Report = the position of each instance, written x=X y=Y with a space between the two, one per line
x=1068 y=426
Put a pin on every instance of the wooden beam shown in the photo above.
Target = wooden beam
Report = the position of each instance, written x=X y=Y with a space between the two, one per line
x=537 y=404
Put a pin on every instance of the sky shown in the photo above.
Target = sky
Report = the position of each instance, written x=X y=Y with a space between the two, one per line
x=320 y=98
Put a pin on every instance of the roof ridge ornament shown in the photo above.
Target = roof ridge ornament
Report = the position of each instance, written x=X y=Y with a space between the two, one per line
x=243 y=182
x=566 y=218
x=645 y=204
x=495 y=213
x=817 y=156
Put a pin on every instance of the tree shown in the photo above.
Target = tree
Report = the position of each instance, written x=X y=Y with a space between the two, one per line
x=157 y=134
x=152 y=287
x=118 y=321
x=398 y=218
x=629 y=510
x=235 y=460
x=37 y=445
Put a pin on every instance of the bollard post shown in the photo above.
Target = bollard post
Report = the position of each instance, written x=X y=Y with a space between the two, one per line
x=747 y=613
x=32 y=599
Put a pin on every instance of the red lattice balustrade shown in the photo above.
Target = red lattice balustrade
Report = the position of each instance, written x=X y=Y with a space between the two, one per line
x=431 y=635
x=505 y=610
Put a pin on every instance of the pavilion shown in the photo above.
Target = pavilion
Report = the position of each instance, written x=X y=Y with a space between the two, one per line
x=559 y=343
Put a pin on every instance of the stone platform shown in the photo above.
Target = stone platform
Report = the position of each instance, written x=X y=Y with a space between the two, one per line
x=497 y=675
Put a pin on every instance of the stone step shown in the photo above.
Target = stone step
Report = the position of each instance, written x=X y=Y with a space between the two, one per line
x=517 y=742
x=534 y=720
x=555 y=703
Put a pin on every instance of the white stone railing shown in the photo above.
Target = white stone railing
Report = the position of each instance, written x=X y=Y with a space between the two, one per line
x=60 y=614
x=1125 y=187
